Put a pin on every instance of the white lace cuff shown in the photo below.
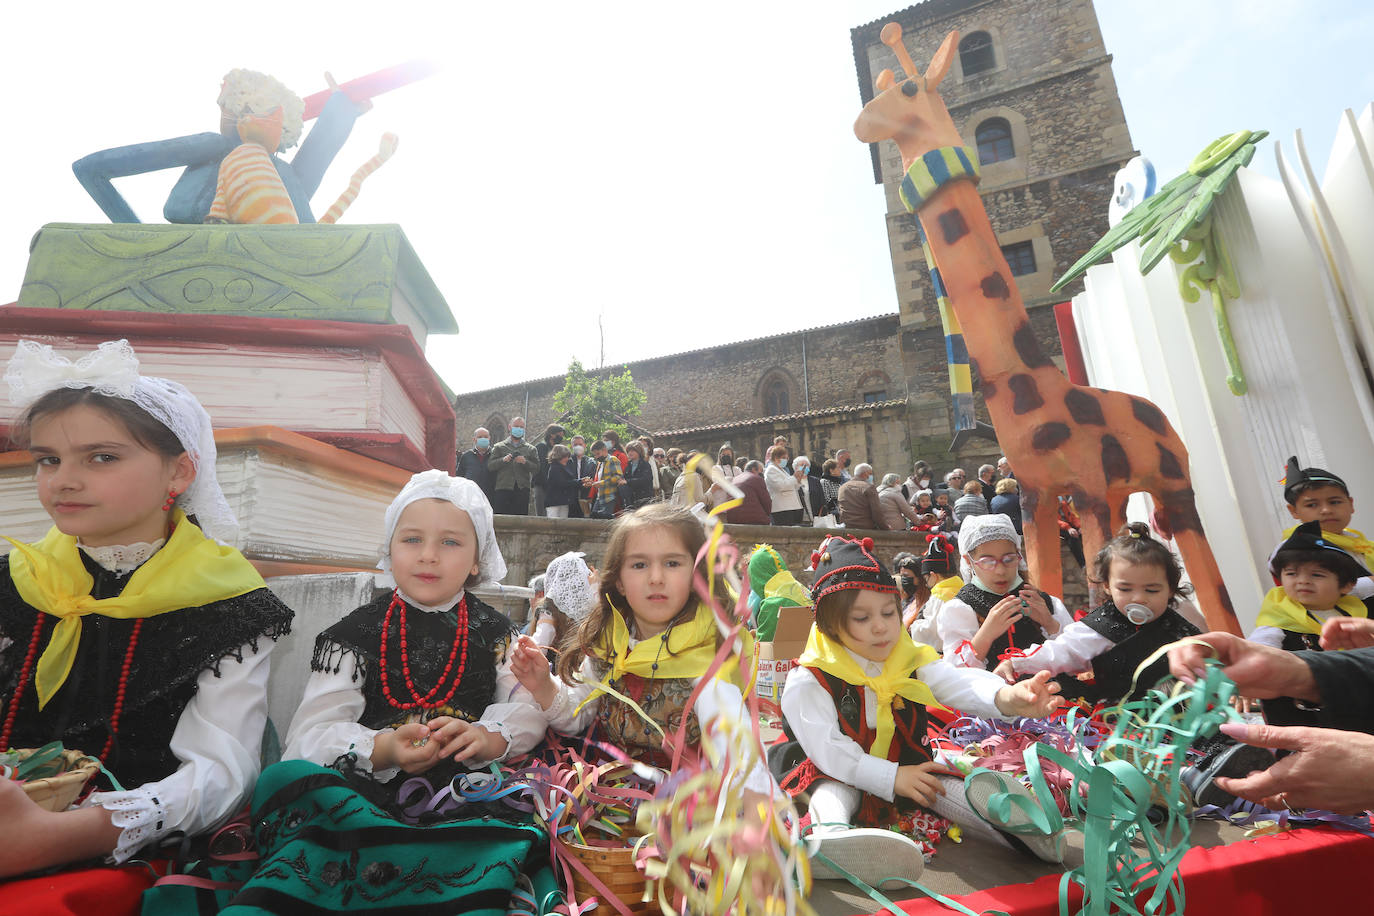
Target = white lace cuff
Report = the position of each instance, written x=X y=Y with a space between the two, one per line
x=138 y=813
x=498 y=728
x=363 y=746
x=558 y=707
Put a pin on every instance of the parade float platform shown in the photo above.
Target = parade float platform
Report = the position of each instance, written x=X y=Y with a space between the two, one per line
x=1293 y=872
x=365 y=273
x=303 y=506
x=366 y=388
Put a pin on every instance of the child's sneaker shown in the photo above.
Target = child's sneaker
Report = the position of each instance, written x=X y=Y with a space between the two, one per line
x=869 y=854
x=1018 y=828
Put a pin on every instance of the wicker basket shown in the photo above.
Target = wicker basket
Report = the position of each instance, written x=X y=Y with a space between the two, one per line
x=56 y=793
x=615 y=867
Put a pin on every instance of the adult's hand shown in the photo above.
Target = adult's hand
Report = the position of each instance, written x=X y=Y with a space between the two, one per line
x=1259 y=671
x=1327 y=769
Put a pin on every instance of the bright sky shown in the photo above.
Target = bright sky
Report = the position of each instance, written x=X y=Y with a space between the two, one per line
x=688 y=171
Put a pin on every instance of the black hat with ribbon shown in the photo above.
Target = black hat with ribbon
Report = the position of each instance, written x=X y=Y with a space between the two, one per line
x=940 y=556
x=849 y=563
x=1309 y=538
x=1296 y=479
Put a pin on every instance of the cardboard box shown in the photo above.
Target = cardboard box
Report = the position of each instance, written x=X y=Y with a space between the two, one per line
x=777 y=658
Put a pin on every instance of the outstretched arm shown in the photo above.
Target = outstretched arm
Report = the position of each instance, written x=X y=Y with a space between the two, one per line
x=96 y=170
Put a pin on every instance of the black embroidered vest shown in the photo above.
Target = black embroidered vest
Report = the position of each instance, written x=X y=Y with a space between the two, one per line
x=909 y=741
x=173 y=649
x=1114 y=669
x=1021 y=635
x=429 y=637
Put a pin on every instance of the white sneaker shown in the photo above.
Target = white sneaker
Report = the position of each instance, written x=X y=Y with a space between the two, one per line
x=982 y=784
x=869 y=854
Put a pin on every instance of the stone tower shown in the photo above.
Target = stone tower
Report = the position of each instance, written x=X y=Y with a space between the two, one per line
x=1032 y=91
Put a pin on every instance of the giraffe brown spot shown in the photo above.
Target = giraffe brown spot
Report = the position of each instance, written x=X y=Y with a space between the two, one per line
x=1049 y=436
x=1115 y=464
x=1169 y=465
x=953 y=226
x=994 y=287
x=1028 y=348
x=1180 y=507
x=1084 y=408
x=990 y=390
x=1148 y=414
x=1025 y=395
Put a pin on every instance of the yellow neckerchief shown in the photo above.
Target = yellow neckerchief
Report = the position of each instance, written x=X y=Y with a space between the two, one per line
x=190 y=570
x=690 y=650
x=1351 y=541
x=1279 y=610
x=946 y=589
x=896 y=679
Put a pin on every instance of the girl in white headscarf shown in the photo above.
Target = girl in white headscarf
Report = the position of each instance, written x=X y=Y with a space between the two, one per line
x=998 y=614
x=421 y=675
x=131 y=631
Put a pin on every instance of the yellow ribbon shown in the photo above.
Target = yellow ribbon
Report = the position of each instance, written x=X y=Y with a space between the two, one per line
x=1351 y=541
x=946 y=589
x=1280 y=610
x=895 y=680
x=690 y=650
x=190 y=570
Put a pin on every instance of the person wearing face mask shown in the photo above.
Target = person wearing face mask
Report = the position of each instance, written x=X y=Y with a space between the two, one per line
x=918 y=481
x=584 y=469
x=725 y=462
x=813 y=496
x=553 y=435
x=513 y=463
x=472 y=463
x=782 y=488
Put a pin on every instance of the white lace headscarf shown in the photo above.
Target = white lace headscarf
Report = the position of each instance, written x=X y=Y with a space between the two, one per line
x=464 y=494
x=979 y=529
x=566 y=585
x=112 y=370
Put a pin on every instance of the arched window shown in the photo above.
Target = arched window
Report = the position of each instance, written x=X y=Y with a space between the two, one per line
x=975 y=53
x=496 y=427
x=776 y=399
x=994 y=141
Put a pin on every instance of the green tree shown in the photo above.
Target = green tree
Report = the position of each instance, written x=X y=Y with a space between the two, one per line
x=593 y=404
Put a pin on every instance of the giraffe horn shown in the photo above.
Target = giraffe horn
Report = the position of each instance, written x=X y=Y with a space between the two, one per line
x=891 y=36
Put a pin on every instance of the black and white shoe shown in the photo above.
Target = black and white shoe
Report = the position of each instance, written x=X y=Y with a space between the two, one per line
x=979 y=788
x=1235 y=760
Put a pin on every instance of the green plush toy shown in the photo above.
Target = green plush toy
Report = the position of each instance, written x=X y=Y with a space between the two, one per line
x=772 y=586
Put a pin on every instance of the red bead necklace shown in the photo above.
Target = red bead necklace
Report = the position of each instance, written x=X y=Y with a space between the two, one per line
x=32 y=654
x=459 y=638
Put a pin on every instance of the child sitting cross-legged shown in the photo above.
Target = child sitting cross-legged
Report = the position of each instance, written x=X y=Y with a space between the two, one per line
x=406 y=693
x=856 y=709
x=1144 y=584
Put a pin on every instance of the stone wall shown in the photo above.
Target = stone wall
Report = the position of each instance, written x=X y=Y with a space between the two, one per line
x=825 y=367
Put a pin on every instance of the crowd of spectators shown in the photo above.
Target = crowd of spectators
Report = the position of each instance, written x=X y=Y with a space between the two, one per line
x=562 y=477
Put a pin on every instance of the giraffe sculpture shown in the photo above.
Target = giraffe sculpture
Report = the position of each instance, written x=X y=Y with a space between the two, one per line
x=1098 y=446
